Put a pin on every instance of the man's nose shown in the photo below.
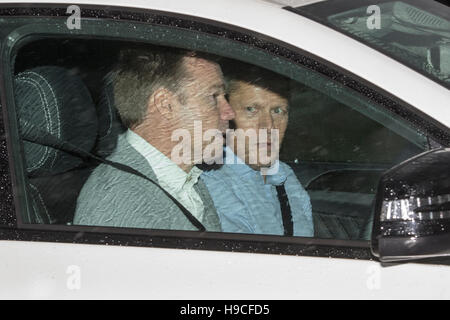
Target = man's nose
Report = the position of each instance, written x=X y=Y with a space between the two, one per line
x=266 y=121
x=226 y=111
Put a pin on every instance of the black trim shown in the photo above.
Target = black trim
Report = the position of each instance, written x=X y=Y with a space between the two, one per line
x=7 y=208
x=192 y=240
x=214 y=241
x=397 y=249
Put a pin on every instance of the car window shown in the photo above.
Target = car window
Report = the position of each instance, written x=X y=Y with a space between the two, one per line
x=183 y=131
x=339 y=149
x=415 y=32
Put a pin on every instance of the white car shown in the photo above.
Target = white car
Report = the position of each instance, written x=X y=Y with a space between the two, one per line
x=367 y=137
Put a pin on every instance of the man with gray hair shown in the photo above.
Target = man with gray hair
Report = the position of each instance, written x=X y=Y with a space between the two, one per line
x=158 y=92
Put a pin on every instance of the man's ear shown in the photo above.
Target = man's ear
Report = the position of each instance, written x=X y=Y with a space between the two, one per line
x=160 y=102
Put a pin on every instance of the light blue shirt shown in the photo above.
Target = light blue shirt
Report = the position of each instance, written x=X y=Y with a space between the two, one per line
x=245 y=204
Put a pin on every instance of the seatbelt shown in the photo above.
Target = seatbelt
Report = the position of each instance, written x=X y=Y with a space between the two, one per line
x=286 y=213
x=36 y=135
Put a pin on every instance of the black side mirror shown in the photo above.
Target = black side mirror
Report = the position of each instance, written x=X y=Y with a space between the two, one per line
x=412 y=209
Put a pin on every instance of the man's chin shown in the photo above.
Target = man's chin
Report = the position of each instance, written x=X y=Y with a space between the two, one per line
x=264 y=166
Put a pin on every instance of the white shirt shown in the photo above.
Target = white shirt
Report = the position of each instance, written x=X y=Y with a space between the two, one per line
x=170 y=176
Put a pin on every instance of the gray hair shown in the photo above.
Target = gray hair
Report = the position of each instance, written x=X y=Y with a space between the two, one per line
x=139 y=73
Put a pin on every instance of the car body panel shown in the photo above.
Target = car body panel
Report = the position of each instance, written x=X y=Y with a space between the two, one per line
x=34 y=270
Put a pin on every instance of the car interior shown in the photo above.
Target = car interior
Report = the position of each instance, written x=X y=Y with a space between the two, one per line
x=64 y=98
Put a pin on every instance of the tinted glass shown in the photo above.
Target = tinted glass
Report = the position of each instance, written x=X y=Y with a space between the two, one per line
x=134 y=135
x=414 y=32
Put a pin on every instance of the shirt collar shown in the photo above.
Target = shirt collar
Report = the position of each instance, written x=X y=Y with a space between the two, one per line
x=276 y=174
x=169 y=174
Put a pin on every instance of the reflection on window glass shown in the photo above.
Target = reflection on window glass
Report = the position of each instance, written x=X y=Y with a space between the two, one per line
x=152 y=137
x=416 y=32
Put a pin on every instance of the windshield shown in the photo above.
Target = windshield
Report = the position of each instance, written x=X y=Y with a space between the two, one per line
x=414 y=32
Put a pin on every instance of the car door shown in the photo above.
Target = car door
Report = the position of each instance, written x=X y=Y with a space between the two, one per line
x=343 y=133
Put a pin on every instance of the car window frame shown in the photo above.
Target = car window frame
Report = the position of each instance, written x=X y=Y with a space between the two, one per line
x=10 y=229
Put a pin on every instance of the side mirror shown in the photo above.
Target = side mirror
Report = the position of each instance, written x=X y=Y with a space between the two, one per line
x=412 y=209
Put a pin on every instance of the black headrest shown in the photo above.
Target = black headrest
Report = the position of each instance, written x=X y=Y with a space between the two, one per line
x=55 y=100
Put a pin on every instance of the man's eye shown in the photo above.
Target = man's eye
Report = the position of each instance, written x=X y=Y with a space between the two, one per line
x=278 y=110
x=251 y=109
x=213 y=98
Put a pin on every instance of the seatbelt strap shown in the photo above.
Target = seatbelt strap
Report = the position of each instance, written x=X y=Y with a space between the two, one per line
x=286 y=213
x=36 y=135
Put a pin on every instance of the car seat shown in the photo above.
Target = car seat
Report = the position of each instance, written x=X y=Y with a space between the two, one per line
x=56 y=101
